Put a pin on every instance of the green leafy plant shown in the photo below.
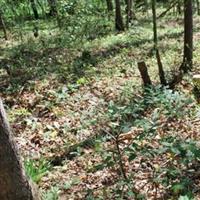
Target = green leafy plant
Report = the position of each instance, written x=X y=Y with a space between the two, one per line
x=36 y=170
x=51 y=194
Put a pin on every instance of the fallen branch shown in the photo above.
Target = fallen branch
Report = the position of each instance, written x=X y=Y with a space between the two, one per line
x=167 y=10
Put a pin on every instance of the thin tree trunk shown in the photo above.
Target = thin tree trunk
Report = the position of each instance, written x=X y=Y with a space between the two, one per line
x=14 y=184
x=160 y=66
x=119 y=25
x=3 y=26
x=179 y=7
x=109 y=5
x=132 y=13
x=198 y=7
x=188 y=37
x=129 y=12
x=155 y=38
x=146 y=7
x=128 y=8
x=34 y=8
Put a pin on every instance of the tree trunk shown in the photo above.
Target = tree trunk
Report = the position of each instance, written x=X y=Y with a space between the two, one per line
x=129 y=12
x=53 y=7
x=144 y=73
x=188 y=37
x=109 y=5
x=179 y=7
x=155 y=38
x=34 y=8
x=119 y=25
x=160 y=66
x=198 y=8
x=14 y=184
x=3 y=26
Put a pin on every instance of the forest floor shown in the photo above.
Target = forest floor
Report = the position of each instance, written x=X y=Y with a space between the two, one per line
x=57 y=97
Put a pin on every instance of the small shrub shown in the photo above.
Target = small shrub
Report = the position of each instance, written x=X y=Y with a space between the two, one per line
x=51 y=194
x=36 y=170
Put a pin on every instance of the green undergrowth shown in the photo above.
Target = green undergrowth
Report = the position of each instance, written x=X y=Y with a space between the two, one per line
x=153 y=113
x=39 y=58
x=36 y=169
x=76 y=87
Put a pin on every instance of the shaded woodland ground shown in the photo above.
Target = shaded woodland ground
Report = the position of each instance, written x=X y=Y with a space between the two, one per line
x=85 y=126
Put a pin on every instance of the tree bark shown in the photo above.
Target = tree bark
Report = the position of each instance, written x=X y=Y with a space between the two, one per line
x=198 y=8
x=188 y=37
x=119 y=25
x=34 y=8
x=160 y=68
x=129 y=12
x=109 y=5
x=179 y=7
x=155 y=38
x=144 y=73
x=14 y=184
x=3 y=26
